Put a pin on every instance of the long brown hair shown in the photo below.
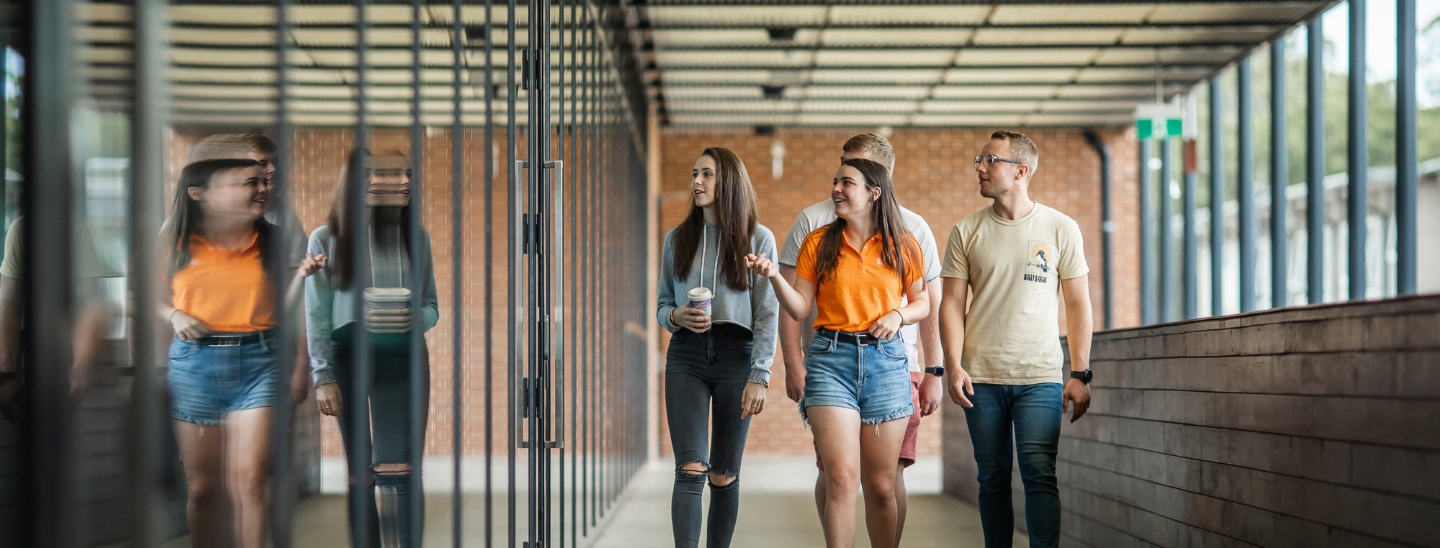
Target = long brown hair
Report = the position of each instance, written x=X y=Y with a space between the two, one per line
x=895 y=239
x=349 y=190
x=735 y=211
x=186 y=214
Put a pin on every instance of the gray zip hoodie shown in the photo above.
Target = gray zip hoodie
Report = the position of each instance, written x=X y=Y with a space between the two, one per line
x=755 y=309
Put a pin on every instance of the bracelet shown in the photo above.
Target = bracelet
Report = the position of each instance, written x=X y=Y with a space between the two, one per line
x=898 y=313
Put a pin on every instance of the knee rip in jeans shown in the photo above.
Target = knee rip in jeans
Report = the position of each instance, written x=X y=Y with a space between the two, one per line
x=722 y=479
x=692 y=472
x=392 y=469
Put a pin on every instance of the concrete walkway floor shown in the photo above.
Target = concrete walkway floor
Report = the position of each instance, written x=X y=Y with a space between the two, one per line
x=777 y=508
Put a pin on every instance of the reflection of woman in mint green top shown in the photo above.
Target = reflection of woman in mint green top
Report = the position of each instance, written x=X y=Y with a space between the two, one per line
x=330 y=313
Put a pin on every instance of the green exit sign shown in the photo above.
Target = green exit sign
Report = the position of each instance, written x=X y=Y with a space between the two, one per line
x=1159 y=121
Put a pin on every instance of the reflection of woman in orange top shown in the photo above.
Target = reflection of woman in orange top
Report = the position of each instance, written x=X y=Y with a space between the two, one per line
x=224 y=364
x=855 y=271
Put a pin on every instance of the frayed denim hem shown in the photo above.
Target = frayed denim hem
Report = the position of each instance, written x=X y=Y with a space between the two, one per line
x=902 y=413
x=182 y=416
x=806 y=418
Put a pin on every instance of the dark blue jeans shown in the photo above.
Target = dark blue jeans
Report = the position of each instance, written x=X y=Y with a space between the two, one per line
x=704 y=372
x=390 y=408
x=1032 y=413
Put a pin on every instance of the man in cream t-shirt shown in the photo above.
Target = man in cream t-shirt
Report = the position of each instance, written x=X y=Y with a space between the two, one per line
x=1003 y=361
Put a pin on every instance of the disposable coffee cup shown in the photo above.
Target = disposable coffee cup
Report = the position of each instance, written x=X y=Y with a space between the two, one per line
x=387 y=298
x=700 y=298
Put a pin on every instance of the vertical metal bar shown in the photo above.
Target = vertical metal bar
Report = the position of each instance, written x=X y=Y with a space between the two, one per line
x=489 y=270
x=1315 y=161
x=419 y=386
x=283 y=452
x=576 y=352
x=1167 y=249
x=1245 y=188
x=1107 y=227
x=361 y=474
x=1357 y=155
x=562 y=353
x=5 y=129
x=1405 y=155
x=601 y=276
x=148 y=415
x=457 y=250
x=1279 y=178
x=46 y=490
x=1217 y=199
x=533 y=128
x=588 y=268
x=1147 y=238
x=1189 y=239
x=607 y=445
x=513 y=261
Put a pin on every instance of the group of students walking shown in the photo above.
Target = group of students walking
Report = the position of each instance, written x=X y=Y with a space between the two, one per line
x=225 y=300
x=867 y=267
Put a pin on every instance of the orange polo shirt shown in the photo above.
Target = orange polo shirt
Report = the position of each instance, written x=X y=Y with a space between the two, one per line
x=225 y=288
x=862 y=288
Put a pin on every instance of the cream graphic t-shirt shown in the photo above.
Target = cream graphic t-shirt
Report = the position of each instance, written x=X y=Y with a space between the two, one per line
x=1012 y=332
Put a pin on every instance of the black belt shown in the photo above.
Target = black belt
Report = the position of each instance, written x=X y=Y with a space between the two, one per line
x=861 y=338
x=232 y=339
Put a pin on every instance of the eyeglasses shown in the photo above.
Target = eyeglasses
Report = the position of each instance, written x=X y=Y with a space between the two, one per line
x=990 y=159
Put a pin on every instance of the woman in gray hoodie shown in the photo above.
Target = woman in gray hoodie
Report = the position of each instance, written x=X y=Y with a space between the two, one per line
x=720 y=361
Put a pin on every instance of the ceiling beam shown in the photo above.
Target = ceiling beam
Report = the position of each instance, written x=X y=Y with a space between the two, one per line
x=954 y=3
x=892 y=68
x=1218 y=47
x=1207 y=26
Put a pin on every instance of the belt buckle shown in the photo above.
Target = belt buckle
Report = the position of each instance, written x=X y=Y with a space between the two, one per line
x=227 y=340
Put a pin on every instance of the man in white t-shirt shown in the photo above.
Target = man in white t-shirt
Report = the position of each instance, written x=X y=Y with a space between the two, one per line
x=925 y=389
x=1003 y=361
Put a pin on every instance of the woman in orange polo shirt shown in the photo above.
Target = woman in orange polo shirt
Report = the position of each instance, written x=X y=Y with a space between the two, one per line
x=855 y=270
x=224 y=362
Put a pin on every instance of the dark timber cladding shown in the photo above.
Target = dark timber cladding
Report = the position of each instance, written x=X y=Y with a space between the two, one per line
x=1153 y=464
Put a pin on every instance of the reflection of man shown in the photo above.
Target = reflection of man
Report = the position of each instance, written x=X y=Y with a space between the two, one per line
x=89 y=324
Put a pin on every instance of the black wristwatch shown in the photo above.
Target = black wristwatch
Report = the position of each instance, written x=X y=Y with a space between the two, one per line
x=7 y=376
x=938 y=371
x=1084 y=376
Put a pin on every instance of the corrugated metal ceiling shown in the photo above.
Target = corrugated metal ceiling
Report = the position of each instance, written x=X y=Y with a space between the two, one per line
x=711 y=63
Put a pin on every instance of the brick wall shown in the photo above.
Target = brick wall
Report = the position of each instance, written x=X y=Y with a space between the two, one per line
x=935 y=177
x=1307 y=426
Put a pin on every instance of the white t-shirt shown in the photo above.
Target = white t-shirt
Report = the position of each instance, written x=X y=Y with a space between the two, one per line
x=823 y=213
x=1012 y=331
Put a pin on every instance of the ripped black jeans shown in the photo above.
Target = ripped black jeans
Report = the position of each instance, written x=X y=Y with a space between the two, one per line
x=705 y=372
x=390 y=409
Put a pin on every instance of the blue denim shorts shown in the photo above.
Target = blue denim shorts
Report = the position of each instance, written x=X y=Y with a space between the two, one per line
x=206 y=382
x=870 y=378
